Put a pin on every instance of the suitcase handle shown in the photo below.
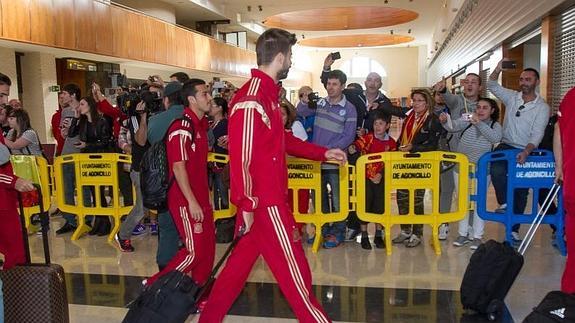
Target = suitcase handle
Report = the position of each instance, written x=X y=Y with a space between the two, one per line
x=44 y=220
x=539 y=217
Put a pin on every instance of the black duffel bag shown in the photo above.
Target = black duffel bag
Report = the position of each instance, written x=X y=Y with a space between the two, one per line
x=171 y=299
x=556 y=307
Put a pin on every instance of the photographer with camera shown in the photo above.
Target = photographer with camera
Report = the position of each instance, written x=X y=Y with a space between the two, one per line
x=149 y=101
x=168 y=239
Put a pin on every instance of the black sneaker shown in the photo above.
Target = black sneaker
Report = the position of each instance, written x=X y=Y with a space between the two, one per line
x=379 y=242
x=365 y=243
x=125 y=245
x=66 y=228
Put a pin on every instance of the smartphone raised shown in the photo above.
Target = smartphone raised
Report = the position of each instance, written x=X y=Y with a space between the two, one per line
x=508 y=65
x=335 y=55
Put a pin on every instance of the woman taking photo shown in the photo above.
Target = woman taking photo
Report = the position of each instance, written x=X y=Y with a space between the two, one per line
x=22 y=139
x=95 y=134
x=420 y=132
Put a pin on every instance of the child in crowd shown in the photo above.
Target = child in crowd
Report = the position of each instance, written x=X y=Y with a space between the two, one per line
x=374 y=142
x=477 y=133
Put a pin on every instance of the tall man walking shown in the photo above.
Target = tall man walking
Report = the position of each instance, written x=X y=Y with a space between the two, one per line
x=258 y=144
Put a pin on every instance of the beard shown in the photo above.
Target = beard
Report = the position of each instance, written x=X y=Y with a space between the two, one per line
x=283 y=73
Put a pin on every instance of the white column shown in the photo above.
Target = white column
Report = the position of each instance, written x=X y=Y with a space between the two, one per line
x=38 y=74
x=8 y=67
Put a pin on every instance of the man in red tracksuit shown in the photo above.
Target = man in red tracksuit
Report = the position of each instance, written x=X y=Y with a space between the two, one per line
x=189 y=196
x=258 y=145
x=563 y=147
x=11 y=240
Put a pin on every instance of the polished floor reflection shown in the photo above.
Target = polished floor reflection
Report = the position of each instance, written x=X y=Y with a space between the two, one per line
x=355 y=285
x=342 y=303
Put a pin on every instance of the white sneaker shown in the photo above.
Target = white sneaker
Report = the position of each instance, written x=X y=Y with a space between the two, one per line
x=502 y=208
x=475 y=244
x=515 y=236
x=443 y=231
x=461 y=240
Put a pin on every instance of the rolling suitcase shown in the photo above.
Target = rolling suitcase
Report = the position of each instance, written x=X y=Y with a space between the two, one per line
x=494 y=266
x=174 y=296
x=35 y=293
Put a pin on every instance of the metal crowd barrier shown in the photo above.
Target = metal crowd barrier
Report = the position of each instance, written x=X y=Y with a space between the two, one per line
x=411 y=172
x=538 y=172
x=35 y=169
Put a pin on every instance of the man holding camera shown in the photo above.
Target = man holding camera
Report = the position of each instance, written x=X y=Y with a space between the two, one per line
x=168 y=239
x=137 y=124
x=526 y=116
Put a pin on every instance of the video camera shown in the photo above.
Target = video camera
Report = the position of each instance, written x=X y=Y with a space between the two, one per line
x=128 y=101
x=313 y=98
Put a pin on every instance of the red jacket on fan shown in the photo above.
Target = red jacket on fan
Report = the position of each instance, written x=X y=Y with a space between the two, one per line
x=57 y=132
x=257 y=150
x=8 y=194
x=106 y=108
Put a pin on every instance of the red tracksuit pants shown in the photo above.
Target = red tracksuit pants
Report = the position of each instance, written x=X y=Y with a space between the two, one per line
x=11 y=240
x=568 y=280
x=274 y=236
x=197 y=255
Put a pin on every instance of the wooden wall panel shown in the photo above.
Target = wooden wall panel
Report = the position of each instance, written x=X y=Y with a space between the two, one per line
x=547 y=57
x=64 y=28
x=16 y=20
x=103 y=28
x=85 y=26
x=41 y=22
x=95 y=27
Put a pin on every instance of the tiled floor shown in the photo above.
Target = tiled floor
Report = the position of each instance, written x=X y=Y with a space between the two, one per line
x=355 y=285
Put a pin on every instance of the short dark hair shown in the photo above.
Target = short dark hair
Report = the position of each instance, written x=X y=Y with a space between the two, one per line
x=337 y=74
x=189 y=89
x=181 y=77
x=494 y=106
x=223 y=103
x=272 y=42
x=174 y=98
x=355 y=86
x=73 y=90
x=476 y=75
x=381 y=115
x=5 y=80
x=530 y=69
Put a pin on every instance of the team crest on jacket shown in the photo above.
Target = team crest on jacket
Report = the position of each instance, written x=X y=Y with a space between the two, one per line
x=198 y=228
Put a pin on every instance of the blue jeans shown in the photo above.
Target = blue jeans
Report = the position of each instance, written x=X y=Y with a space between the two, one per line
x=498 y=172
x=220 y=191
x=69 y=178
x=329 y=205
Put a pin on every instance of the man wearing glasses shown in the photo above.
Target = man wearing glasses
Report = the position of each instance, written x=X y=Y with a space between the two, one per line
x=526 y=116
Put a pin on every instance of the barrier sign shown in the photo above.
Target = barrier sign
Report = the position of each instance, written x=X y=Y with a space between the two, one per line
x=535 y=170
x=410 y=171
x=96 y=169
x=304 y=172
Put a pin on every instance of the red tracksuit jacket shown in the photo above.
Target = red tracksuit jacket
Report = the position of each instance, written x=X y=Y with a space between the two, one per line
x=8 y=195
x=258 y=149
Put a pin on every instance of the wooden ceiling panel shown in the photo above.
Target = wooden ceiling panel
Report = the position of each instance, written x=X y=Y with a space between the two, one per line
x=341 y=18
x=365 y=40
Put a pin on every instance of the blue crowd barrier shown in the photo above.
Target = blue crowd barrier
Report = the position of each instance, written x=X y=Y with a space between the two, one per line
x=538 y=172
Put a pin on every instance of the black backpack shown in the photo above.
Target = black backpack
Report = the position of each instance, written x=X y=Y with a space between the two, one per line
x=154 y=178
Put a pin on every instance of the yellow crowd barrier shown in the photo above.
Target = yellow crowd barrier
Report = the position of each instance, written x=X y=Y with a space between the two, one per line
x=231 y=210
x=304 y=174
x=93 y=174
x=35 y=169
x=411 y=173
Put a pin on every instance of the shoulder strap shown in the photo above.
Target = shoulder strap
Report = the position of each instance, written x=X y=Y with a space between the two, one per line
x=461 y=134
